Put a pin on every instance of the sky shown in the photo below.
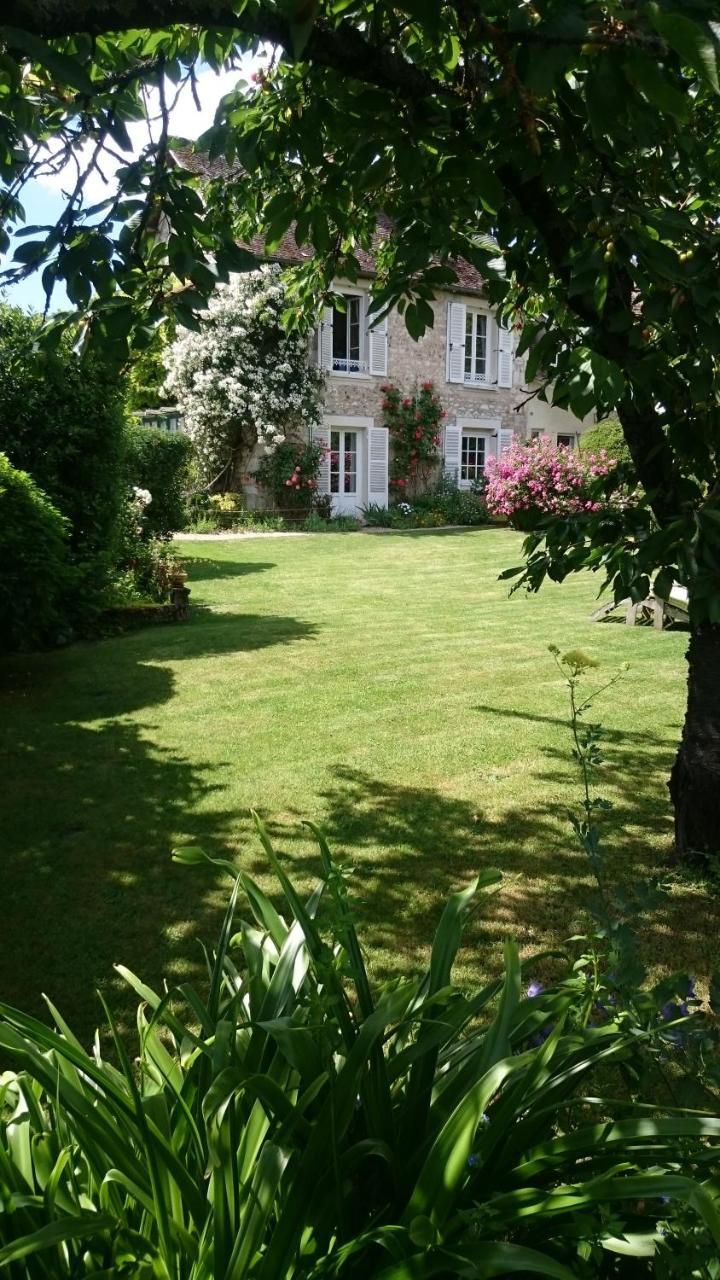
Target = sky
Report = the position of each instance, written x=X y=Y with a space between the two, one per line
x=43 y=198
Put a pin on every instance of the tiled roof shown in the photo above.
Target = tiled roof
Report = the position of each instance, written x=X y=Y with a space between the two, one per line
x=288 y=252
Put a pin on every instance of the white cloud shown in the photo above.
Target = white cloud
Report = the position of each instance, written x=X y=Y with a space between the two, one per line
x=185 y=120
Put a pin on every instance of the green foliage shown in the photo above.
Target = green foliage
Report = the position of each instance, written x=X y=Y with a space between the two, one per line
x=455 y=505
x=564 y=152
x=33 y=562
x=145 y=563
x=315 y=523
x=290 y=473
x=160 y=462
x=226 y=512
x=145 y=378
x=607 y=435
x=61 y=419
x=376 y=516
x=445 y=504
x=292 y=1121
x=414 y=424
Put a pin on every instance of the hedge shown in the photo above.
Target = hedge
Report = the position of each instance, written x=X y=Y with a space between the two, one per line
x=158 y=461
x=33 y=562
x=61 y=420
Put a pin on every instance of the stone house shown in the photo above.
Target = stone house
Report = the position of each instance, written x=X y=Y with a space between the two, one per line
x=468 y=356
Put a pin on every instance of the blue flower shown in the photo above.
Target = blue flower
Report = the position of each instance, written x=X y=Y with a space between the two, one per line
x=535 y=989
x=540 y=1037
x=669 y=1011
x=473 y=1161
x=691 y=993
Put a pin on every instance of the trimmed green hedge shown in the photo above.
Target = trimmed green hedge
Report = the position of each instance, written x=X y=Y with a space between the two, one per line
x=158 y=461
x=33 y=562
x=61 y=420
x=606 y=435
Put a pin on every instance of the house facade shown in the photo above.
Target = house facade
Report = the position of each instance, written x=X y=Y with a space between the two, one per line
x=468 y=356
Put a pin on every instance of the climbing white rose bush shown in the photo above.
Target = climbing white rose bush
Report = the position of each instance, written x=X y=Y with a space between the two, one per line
x=242 y=377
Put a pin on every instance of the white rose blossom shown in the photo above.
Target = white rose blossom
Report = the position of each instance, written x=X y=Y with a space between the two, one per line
x=243 y=375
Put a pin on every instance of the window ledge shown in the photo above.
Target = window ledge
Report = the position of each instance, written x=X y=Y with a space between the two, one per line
x=472 y=385
x=353 y=377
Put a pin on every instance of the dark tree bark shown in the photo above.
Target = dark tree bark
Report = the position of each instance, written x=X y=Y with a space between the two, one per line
x=695 y=780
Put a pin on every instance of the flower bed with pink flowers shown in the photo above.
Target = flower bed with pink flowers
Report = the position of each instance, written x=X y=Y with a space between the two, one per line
x=529 y=481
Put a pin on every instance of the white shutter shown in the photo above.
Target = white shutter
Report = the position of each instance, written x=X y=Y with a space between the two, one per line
x=378 y=465
x=506 y=355
x=377 y=347
x=506 y=439
x=456 y=342
x=321 y=435
x=325 y=341
x=451 y=450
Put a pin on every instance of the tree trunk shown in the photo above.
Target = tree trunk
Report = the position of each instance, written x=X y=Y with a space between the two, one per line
x=695 y=779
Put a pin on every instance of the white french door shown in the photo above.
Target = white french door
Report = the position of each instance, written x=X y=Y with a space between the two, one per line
x=346 y=471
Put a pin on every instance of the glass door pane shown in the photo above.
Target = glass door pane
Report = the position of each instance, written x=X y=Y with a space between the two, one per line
x=335 y=461
x=349 y=459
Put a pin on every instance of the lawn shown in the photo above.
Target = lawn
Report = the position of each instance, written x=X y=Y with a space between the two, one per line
x=385 y=686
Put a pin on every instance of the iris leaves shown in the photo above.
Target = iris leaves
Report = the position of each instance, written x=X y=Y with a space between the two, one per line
x=297 y=1122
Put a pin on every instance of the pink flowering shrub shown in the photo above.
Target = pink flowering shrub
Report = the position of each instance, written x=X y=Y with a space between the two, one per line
x=537 y=479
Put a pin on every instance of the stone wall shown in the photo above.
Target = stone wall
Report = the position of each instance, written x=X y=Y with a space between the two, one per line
x=410 y=363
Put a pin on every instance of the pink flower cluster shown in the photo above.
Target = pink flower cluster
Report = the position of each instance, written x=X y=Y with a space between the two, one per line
x=296 y=481
x=544 y=479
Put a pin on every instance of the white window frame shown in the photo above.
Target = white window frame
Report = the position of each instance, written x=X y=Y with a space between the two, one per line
x=363 y=360
x=477 y=437
x=489 y=429
x=489 y=377
x=568 y=436
x=341 y=491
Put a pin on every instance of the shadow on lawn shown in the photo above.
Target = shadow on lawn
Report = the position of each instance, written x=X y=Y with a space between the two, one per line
x=200 y=567
x=92 y=808
x=433 y=843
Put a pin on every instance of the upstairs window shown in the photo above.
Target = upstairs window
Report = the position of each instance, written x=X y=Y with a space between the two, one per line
x=476 y=347
x=348 y=342
x=565 y=442
x=348 y=355
x=480 y=351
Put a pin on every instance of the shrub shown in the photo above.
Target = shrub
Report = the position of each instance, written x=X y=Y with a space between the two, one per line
x=415 y=427
x=144 y=381
x=144 y=564
x=226 y=509
x=33 y=562
x=292 y=1121
x=244 y=377
x=455 y=505
x=290 y=473
x=529 y=481
x=607 y=436
x=218 y=519
x=315 y=523
x=376 y=516
x=61 y=420
x=445 y=504
x=159 y=461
